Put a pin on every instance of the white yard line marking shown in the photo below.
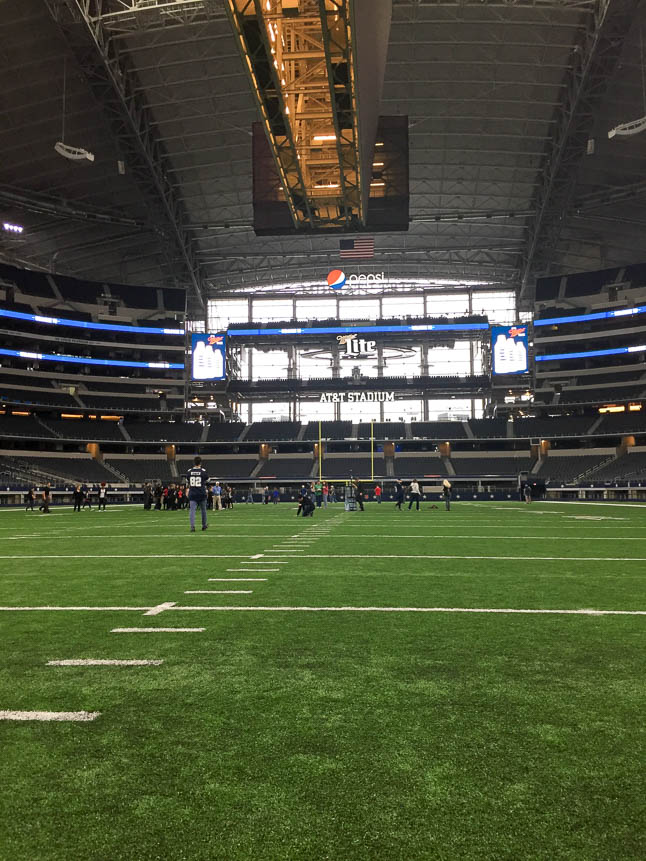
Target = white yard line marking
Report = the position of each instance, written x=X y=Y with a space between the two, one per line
x=265 y=562
x=155 y=630
x=155 y=611
x=138 y=609
x=59 y=716
x=446 y=556
x=100 y=662
x=419 y=610
x=256 y=556
x=237 y=579
x=249 y=570
x=218 y=592
x=134 y=556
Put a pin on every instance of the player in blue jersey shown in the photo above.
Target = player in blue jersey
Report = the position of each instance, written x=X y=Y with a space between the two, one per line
x=197 y=482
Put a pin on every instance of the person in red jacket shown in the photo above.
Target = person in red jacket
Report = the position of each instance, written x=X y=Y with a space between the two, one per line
x=378 y=493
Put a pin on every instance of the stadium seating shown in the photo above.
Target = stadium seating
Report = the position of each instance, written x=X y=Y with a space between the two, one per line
x=85 y=429
x=23 y=426
x=552 y=427
x=492 y=466
x=222 y=467
x=359 y=466
x=165 y=431
x=438 y=430
x=272 y=431
x=419 y=467
x=141 y=469
x=74 y=469
x=286 y=467
x=488 y=428
x=329 y=430
x=225 y=431
x=629 y=467
x=382 y=430
x=620 y=423
x=564 y=468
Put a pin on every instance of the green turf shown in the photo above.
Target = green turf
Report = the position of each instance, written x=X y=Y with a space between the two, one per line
x=338 y=735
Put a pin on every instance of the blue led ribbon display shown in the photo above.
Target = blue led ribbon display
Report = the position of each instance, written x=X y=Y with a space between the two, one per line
x=598 y=315
x=82 y=324
x=349 y=330
x=79 y=360
x=590 y=354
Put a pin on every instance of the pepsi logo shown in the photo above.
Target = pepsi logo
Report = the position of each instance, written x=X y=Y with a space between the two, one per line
x=336 y=279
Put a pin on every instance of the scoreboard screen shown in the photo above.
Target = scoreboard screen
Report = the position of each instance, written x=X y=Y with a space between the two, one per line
x=208 y=353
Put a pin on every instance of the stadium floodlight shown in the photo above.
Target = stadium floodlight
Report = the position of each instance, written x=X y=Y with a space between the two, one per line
x=626 y=129
x=73 y=153
x=8 y=227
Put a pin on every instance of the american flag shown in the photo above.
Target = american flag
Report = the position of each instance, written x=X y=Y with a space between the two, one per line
x=353 y=249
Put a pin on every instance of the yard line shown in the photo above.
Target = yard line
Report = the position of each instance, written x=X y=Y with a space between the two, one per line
x=419 y=610
x=218 y=592
x=446 y=556
x=100 y=662
x=237 y=579
x=265 y=562
x=248 y=571
x=131 y=556
x=155 y=630
x=138 y=609
x=51 y=716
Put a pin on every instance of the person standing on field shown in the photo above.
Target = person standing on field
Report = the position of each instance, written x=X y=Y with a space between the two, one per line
x=378 y=494
x=414 y=494
x=197 y=482
x=103 y=495
x=399 y=494
x=446 y=490
x=30 y=499
x=527 y=492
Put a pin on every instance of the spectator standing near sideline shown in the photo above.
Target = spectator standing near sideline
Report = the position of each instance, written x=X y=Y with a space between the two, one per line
x=399 y=493
x=326 y=493
x=103 y=495
x=318 y=493
x=217 y=496
x=265 y=494
x=44 y=506
x=378 y=494
x=77 y=496
x=527 y=491
x=358 y=494
x=147 y=496
x=249 y=498
x=446 y=490
x=414 y=494
x=197 y=481
x=275 y=495
x=30 y=499
x=332 y=494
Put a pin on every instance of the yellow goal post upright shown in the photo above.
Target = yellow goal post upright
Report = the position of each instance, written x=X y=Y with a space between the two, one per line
x=320 y=452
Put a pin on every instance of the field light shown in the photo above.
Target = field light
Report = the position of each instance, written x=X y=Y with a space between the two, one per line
x=12 y=228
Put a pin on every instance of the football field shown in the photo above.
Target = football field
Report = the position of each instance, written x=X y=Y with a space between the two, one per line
x=359 y=685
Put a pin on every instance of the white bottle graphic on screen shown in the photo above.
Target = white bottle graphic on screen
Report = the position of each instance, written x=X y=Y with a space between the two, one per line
x=215 y=363
x=200 y=367
x=520 y=356
x=500 y=355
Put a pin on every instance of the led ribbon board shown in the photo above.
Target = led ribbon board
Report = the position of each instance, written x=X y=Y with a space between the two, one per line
x=82 y=324
x=585 y=318
x=208 y=356
x=349 y=330
x=79 y=360
x=586 y=354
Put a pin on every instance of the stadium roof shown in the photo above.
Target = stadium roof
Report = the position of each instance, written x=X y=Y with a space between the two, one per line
x=509 y=103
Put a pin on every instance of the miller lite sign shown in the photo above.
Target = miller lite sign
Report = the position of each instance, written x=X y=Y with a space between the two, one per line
x=356 y=348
